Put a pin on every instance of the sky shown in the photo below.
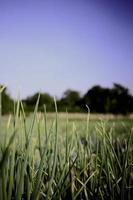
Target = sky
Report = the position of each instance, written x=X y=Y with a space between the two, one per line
x=55 y=45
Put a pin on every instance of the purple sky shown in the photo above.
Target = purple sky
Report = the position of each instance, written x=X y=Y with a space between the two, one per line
x=53 y=45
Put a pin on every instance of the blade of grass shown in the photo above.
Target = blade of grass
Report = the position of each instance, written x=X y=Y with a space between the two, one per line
x=83 y=185
x=19 y=191
x=55 y=154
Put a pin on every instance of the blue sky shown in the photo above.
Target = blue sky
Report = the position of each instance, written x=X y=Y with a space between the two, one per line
x=53 y=45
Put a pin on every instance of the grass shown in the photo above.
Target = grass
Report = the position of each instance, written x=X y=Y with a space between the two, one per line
x=64 y=156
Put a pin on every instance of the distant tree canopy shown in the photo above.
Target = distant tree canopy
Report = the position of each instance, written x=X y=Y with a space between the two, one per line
x=45 y=99
x=69 y=101
x=104 y=100
x=7 y=103
x=99 y=99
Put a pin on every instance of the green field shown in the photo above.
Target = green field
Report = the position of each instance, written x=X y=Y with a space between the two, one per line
x=65 y=156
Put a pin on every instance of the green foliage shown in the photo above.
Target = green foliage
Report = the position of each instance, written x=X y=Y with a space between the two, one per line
x=45 y=99
x=7 y=102
x=116 y=100
x=104 y=100
x=70 y=101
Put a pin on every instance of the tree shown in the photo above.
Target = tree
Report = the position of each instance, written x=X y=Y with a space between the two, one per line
x=7 y=103
x=45 y=98
x=97 y=98
x=105 y=100
x=70 y=101
x=122 y=101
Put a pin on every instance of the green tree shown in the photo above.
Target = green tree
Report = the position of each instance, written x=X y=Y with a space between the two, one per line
x=70 y=101
x=109 y=100
x=7 y=103
x=97 y=98
x=121 y=100
x=44 y=99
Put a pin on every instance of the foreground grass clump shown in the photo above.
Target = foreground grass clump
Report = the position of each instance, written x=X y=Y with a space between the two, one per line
x=38 y=161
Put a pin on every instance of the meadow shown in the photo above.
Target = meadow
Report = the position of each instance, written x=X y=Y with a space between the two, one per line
x=65 y=156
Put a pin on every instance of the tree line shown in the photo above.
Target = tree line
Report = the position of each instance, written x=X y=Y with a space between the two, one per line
x=116 y=100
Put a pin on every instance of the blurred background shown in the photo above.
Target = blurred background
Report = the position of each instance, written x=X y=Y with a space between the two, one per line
x=79 y=51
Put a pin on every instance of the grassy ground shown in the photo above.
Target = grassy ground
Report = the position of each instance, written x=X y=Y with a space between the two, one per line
x=121 y=125
x=74 y=156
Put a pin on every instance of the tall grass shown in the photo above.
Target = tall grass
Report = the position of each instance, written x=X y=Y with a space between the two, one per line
x=36 y=162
